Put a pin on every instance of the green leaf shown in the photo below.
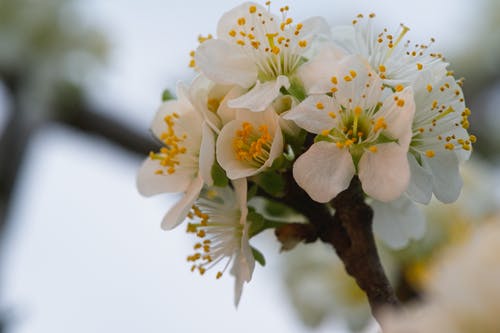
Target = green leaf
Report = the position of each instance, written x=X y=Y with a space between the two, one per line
x=219 y=175
x=167 y=95
x=272 y=182
x=259 y=257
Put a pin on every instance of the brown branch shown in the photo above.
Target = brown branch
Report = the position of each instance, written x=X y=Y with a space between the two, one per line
x=352 y=237
x=349 y=231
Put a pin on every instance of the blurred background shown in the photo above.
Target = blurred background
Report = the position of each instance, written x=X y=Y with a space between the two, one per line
x=82 y=251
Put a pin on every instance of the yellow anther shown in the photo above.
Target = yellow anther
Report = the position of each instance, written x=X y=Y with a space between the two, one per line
x=449 y=146
x=201 y=233
x=372 y=15
x=333 y=90
x=399 y=88
x=232 y=33
x=334 y=80
x=339 y=145
x=302 y=43
x=429 y=88
x=288 y=21
x=219 y=275
x=373 y=149
x=325 y=132
x=381 y=68
x=241 y=21
x=275 y=50
x=332 y=115
x=358 y=110
x=430 y=153
x=380 y=124
x=347 y=78
x=400 y=102
x=420 y=66
x=353 y=73
x=252 y=9
x=472 y=138
x=320 y=106
x=299 y=26
x=240 y=42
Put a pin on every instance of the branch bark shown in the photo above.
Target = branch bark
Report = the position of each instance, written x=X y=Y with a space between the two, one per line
x=350 y=233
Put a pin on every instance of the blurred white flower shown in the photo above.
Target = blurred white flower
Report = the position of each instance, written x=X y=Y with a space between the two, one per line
x=397 y=222
x=250 y=143
x=258 y=51
x=220 y=221
x=463 y=295
x=185 y=161
x=363 y=129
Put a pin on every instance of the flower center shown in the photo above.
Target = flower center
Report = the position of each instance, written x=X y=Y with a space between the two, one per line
x=252 y=145
x=168 y=156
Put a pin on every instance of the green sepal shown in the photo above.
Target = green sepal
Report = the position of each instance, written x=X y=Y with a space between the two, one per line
x=271 y=182
x=257 y=222
x=259 y=257
x=296 y=142
x=219 y=175
x=167 y=95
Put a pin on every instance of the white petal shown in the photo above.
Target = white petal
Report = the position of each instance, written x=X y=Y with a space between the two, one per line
x=446 y=181
x=397 y=222
x=207 y=154
x=420 y=186
x=324 y=171
x=399 y=119
x=243 y=266
x=316 y=73
x=178 y=212
x=307 y=115
x=314 y=27
x=226 y=113
x=181 y=107
x=149 y=183
x=261 y=95
x=229 y=21
x=226 y=63
x=385 y=174
x=199 y=92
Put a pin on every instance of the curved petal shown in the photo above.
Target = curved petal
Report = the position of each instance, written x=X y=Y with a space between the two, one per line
x=149 y=183
x=229 y=21
x=226 y=113
x=420 y=186
x=178 y=212
x=399 y=118
x=316 y=73
x=261 y=95
x=180 y=106
x=385 y=174
x=397 y=222
x=307 y=115
x=226 y=63
x=446 y=181
x=243 y=266
x=324 y=171
x=207 y=154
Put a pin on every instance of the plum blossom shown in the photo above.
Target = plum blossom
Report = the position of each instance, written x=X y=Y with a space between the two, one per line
x=258 y=51
x=360 y=131
x=250 y=143
x=183 y=164
x=219 y=220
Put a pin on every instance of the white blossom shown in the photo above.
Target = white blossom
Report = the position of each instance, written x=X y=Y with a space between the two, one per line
x=219 y=220
x=257 y=51
x=363 y=129
x=250 y=143
x=184 y=163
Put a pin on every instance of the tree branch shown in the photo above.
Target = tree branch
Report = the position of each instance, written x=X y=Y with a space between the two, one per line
x=349 y=231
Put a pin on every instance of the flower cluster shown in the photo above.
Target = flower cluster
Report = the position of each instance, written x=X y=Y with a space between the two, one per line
x=277 y=101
